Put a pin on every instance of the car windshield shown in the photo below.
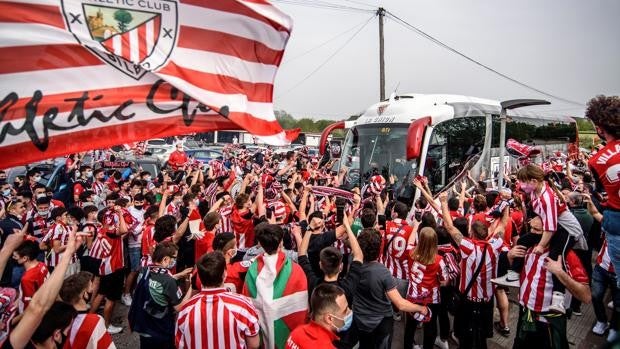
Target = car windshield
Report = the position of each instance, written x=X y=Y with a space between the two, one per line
x=376 y=149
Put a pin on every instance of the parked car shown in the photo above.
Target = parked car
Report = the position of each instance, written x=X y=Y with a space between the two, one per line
x=204 y=155
x=52 y=176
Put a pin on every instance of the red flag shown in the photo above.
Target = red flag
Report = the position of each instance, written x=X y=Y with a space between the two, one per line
x=78 y=75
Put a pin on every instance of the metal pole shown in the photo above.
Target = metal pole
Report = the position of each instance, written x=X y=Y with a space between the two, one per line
x=381 y=14
x=502 y=147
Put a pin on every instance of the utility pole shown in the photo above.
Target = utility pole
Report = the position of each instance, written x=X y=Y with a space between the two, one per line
x=381 y=14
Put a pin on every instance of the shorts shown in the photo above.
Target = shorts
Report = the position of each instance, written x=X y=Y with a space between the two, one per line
x=111 y=285
x=90 y=264
x=135 y=257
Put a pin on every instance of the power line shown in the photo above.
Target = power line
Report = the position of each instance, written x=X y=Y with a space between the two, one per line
x=329 y=58
x=440 y=43
x=362 y=3
x=324 y=5
x=323 y=43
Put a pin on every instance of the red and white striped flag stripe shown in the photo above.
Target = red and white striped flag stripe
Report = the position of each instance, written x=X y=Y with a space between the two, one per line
x=137 y=44
x=59 y=97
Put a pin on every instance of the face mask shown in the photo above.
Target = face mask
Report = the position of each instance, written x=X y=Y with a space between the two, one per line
x=100 y=179
x=6 y=192
x=148 y=179
x=43 y=213
x=197 y=202
x=37 y=178
x=348 y=320
x=173 y=263
x=138 y=207
x=528 y=188
x=88 y=174
x=42 y=195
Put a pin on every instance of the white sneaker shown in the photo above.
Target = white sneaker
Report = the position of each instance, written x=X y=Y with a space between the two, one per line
x=441 y=344
x=511 y=279
x=557 y=303
x=612 y=336
x=126 y=299
x=114 y=330
x=600 y=328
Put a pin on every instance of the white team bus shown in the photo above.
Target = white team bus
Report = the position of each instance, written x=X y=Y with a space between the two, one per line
x=441 y=137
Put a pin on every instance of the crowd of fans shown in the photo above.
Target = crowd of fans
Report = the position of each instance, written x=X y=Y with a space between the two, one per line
x=264 y=250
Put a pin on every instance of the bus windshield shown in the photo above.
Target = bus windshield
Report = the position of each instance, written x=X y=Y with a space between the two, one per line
x=376 y=149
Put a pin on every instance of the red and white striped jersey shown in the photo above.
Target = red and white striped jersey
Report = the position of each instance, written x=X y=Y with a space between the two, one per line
x=471 y=253
x=425 y=279
x=116 y=260
x=88 y=331
x=98 y=188
x=396 y=258
x=216 y=318
x=226 y=222
x=536 y=289
x=31 y=281
x=147 y=242
x=173 y=210
x=38 y=226
x=548 y=207
x=603 y=259
x=58 y=232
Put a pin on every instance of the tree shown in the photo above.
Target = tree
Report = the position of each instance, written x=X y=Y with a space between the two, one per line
x=123 y=17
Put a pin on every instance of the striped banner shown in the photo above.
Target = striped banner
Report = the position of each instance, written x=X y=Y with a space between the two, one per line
x=77 y=75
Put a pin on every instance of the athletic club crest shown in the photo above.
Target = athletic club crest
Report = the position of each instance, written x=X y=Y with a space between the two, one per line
x=134 y=36
x=381 y=109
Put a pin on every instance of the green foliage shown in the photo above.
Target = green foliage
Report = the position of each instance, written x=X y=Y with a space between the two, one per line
x=584 y=124
x=287 y=121
x=123 y=17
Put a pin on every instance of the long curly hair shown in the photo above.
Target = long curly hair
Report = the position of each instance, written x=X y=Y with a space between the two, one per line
x=604 y=111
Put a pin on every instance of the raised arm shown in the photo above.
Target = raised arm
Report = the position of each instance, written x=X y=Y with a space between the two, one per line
x=447 y=219
x=176 y=237
x=304 y=202
x=427 y=195
x=592 y=209
x=356 y=250
x=43 y=298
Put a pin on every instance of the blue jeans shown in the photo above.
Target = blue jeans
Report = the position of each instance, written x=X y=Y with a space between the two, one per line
x=601 y=280
x=611 y=228
x=135 y=256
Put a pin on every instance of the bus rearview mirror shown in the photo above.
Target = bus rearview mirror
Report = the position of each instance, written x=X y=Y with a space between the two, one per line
x=415 y=137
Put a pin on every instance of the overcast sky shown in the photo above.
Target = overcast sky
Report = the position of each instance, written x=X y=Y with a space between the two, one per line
x=569 y=48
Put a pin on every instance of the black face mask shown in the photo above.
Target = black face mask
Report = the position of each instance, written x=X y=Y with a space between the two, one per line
x=138 y=207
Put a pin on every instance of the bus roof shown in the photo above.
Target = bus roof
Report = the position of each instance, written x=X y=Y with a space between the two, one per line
x=440 y=107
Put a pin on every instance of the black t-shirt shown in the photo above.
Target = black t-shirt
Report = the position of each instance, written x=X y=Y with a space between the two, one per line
x=371 y=303
x=317 y=243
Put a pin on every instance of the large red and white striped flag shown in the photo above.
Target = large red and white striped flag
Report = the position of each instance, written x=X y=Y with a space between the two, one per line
x=86 y=74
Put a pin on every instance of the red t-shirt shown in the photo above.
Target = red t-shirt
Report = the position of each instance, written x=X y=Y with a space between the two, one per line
x=204 y=245
x=235 y=275
x=31 y=281
x=606 y=167
x=311 y=336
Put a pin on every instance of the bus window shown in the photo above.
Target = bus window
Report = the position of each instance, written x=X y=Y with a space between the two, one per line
x=452 y=144
x=551 y=135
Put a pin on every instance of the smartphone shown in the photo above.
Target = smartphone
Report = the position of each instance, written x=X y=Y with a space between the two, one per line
x=340 y=207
